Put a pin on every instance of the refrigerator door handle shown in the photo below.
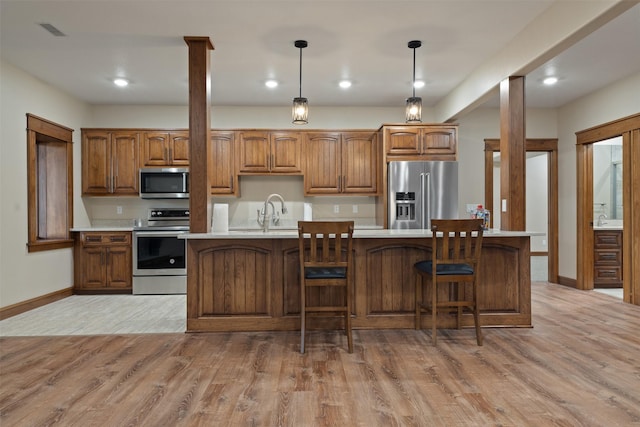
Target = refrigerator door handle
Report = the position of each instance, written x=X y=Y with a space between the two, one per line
x=425 y=193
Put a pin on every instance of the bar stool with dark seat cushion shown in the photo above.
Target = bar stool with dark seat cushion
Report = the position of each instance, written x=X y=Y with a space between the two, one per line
x=325 y=262
x=456 y=247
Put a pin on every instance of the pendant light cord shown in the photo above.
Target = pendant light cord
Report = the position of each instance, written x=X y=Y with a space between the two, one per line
x=301 y=72
x=413 y=82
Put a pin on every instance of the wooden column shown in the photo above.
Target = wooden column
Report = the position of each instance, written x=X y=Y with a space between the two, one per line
x=512 y=154
x=199 y=132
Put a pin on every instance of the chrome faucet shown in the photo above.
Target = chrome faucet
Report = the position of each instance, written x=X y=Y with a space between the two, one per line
x=601 y=219
x=264 y=219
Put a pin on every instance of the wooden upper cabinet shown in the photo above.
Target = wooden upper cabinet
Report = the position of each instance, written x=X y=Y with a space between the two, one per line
x=360 y=162
x=263 y=152
x=110 y=162
x=222 y=177
x=341 y=163
x=165 y=149
x=421 y=142
x=323 y=167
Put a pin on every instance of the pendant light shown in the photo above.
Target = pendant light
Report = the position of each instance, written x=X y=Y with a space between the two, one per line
x=300 y=105
x=413 y=111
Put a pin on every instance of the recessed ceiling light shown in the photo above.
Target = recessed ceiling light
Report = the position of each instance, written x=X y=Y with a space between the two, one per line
x=418 y=84
x=120 y=82
x=345 y=84
x=271 y=84
x=550 y=81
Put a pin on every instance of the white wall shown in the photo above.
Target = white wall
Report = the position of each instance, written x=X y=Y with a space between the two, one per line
x=616 y=101
x=23 y=275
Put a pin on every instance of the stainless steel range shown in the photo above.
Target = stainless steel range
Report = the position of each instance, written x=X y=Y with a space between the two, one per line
x=159 y=256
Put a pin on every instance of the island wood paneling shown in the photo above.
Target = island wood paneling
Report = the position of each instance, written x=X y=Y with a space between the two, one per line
x=242 y=284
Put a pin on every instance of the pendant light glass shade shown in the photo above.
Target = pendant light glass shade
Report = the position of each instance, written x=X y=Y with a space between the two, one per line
x=413 y=112
x=300 y=110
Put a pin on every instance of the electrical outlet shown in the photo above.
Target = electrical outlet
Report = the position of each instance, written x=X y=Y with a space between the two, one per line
x=355 y=208
x=544 y=243
x=119 y=210
x=336 y=208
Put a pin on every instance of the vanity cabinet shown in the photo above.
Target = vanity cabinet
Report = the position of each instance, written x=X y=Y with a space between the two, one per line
x=420 y=142
x=265 y=152
x=607 y=259
x=223 y=179
x=110 y=162
x=165 y=149
x=341 y=163
x=103 y=262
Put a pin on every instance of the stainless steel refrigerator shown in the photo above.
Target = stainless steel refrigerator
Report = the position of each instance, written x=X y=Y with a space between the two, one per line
x=421 y=191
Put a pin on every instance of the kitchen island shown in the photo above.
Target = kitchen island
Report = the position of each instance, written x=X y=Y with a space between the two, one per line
x=248 y=280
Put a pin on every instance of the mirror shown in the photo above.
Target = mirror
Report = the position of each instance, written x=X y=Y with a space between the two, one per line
x=607 y=179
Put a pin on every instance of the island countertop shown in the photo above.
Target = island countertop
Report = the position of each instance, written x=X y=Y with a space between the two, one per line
x=357 y=234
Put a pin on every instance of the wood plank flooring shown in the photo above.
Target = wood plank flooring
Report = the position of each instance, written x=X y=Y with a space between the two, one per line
x=578 y=366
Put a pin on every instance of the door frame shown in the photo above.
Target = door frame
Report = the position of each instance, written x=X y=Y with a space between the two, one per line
x=629 y=129
x=550 y=146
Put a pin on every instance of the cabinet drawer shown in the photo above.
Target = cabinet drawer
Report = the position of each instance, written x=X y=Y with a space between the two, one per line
x=607 y=274
x=102 y=239
x=607 y=257
x=607 y=239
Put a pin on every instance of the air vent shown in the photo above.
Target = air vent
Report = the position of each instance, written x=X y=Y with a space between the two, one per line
x=53 y=30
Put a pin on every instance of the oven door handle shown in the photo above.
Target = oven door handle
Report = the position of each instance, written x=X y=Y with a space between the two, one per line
x=159 y=233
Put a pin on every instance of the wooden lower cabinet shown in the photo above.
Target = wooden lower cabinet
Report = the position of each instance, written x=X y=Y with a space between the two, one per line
x=248 y=285
x=607 y=259
x=103 y=262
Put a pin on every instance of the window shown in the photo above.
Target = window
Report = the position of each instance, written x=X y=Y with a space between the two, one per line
x=49 y=184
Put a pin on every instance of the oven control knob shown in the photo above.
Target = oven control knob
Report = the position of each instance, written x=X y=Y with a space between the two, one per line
x=172 y=261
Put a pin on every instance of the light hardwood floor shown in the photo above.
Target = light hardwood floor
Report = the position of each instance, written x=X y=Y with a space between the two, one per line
x=578 y=366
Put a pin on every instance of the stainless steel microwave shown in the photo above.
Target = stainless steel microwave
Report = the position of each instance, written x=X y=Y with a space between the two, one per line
x=164 y=183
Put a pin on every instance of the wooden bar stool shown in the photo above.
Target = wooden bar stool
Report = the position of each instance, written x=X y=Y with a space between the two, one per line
x=456 y=246
x=326 y=261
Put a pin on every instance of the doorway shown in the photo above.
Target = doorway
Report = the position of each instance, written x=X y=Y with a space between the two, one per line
x=548 y=148
x=629 y=130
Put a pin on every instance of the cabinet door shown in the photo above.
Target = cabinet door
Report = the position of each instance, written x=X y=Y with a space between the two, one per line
x=439 y=140
x=118 y=267
x=222 y=176
x=155 y=149
x=179 y=148
x=96 y=163
x=359 y=163
x=125 y=147
x=92 y=267
x=286 y=152
x=254 y=152
x=323 y=167
x=402 y=141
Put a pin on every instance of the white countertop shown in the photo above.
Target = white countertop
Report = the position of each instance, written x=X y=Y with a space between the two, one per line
x=358 y=234
x=102 y=228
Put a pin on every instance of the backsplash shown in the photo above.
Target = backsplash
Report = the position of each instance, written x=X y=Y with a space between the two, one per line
x=243 y=210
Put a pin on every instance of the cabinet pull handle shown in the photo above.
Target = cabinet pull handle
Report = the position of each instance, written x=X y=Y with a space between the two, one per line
x=231 y=182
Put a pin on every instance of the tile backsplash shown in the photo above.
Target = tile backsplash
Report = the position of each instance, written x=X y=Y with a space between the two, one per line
x=243 y=210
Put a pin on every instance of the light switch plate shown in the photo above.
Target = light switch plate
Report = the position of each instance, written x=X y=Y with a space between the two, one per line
x=504 y=205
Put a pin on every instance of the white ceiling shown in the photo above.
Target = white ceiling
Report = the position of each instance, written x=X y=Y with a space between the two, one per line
x=363 y=40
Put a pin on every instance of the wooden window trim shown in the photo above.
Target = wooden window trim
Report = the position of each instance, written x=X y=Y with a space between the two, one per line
x=38 y=130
